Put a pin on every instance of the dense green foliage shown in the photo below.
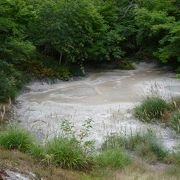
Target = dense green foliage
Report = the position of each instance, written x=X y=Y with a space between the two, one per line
x=65 y=33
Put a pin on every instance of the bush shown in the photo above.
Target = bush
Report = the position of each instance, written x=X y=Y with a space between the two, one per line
x=67 y=153
x=16 y=138
x=112 y=158
x=175 y=121
x=151 y=109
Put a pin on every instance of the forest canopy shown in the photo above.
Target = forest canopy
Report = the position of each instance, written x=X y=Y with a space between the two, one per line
x=46 y=38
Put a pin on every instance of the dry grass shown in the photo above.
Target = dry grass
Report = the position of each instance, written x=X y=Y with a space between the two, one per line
x=4 y=110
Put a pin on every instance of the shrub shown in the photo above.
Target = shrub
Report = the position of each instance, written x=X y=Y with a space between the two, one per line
x=151 y=109
x=15 y=138
x=175 y=121
x=112 y=158
x=67 y=153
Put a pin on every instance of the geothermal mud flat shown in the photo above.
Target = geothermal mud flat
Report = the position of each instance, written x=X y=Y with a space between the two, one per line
x=106 y=97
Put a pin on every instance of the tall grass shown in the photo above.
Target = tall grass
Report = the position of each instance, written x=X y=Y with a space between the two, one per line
x=15 y=138
x=154 y=109
x=116 y=158
x=175 y=121
x=67 y=153
x=151 y=109
x=144 y=145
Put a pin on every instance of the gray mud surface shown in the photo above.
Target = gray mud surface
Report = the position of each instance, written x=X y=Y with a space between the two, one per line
x=106 y=97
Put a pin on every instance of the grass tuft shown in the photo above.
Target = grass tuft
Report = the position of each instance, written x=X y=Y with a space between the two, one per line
x=114 y=158
x=37 y=151
x=67 y=153
x=151 y=109
x=144 y=145
x=15 y=138
x=175 y=122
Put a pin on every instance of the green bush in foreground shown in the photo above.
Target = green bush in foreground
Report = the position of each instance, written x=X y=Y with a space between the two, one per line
x=16 y=138
x=175 y=121
x=67 y=153
x=113 y=158
x=152 y=108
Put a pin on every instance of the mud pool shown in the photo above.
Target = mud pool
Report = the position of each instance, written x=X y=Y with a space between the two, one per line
x=106 y=97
